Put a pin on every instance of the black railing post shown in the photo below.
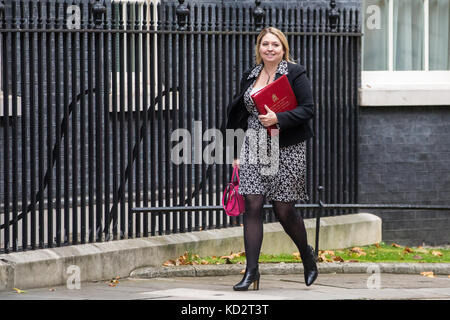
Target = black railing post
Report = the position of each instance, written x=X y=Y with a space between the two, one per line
x=318 y=213
x=98 y=10
x=5 y=79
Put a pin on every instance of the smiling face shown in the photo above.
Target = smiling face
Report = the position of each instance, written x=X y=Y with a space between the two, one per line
x=271 y=49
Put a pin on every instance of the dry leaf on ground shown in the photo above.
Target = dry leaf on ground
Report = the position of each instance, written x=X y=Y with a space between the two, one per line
x=329 y=252
x=421 y=249
x=407 y=250
x=233 y=255
x=396 y=245
x=436 y=253
x=428 y=274
x=323 y=258
x=169 y=263
x=358 y=251
x=417 y=257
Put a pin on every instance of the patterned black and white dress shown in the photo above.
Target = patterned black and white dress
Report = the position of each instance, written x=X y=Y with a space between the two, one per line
x=265 y=168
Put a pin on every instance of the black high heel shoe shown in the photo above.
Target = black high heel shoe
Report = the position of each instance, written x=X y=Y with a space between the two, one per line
x=310 y=266
x=250 y=276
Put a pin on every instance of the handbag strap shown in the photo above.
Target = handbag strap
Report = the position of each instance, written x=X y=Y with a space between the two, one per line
x=235 y=173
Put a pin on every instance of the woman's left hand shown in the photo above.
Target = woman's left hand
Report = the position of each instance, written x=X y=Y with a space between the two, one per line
x=268 y=119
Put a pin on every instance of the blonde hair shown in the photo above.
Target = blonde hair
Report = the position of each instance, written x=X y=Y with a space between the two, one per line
x=281 y=37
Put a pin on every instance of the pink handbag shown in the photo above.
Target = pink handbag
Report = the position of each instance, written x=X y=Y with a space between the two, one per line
x=232 y=201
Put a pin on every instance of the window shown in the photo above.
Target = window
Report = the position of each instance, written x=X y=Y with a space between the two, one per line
x=406 y=52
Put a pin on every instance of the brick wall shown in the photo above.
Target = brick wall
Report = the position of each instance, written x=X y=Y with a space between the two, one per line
x=404 y=157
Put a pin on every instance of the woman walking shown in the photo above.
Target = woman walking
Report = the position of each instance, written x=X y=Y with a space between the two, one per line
x=286 y=185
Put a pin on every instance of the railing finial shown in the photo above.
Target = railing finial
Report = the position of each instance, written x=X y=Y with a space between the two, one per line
x=2 y=9
x=333 y=15
x=182 y=15
x=98 y=9
x=258 y=14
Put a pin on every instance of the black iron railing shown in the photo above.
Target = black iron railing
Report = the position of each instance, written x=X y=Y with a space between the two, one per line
x=318 y=208
x=88 y=111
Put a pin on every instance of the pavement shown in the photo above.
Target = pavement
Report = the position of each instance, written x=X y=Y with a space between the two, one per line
x=374 y=281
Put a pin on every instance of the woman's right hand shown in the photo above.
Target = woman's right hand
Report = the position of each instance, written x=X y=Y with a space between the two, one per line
x=236 y=163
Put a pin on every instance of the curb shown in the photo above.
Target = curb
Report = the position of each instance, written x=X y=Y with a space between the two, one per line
x=290 y=268
x=105 y=260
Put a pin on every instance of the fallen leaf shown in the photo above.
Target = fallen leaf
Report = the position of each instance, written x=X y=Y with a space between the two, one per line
x=407 y=250
x=338 y=258
x=19 y=291
x=296 y=255
x=242 y=271
x=204 y=262
x=436 y=253
x=324 y=258
x=420 y=249
x=169 y=263
x=428 y=274
x=417 y=257
x=329 y=252
x=233 y=255
x=377 y=245
x=51 y=289
x=396 y=245
x=358 y=251
x=352 y=260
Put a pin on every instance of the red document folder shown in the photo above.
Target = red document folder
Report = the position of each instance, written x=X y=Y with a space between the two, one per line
x=278 y=96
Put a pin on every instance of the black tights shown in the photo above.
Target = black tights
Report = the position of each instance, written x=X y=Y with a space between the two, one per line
x=286 y=214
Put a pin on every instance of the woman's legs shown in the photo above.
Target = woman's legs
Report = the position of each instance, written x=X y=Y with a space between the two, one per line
x=253 y=228
x=294 y=226
x=253 y=236
x=292 y=223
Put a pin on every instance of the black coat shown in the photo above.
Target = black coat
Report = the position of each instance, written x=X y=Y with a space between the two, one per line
x=294 y=127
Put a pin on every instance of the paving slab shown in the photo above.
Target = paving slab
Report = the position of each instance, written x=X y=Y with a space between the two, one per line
x=330 y=286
